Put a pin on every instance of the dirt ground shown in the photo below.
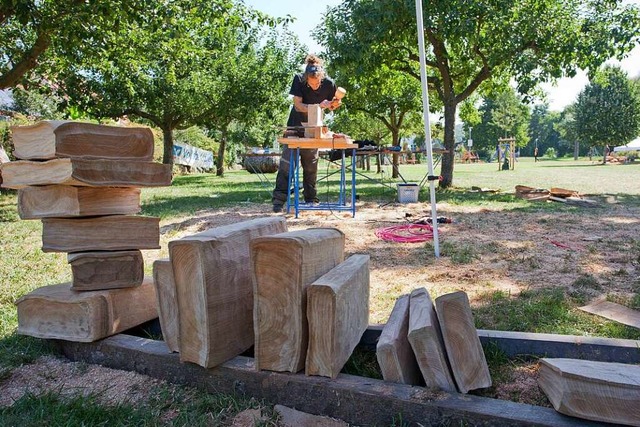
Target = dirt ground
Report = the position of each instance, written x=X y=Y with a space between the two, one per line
x=508 y=250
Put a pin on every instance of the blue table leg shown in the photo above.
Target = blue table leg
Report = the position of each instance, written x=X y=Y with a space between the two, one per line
x=296 y=198
x=353 y=183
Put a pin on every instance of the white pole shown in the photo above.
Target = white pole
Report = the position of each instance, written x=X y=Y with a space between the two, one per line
x=427 y=127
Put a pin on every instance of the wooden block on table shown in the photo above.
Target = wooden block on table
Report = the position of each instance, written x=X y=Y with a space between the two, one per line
x=100 y=270
x=58 y=138
x=63 y=201
x=599 y=391
x=57 y=312
x=466 y=357
x=426 y=340
x=212 y=273
x=92 y=173
x=103 y=233
x=616 y=312
x=338 y=315
x=284 y=265
x=395 y=356
x=167 y=303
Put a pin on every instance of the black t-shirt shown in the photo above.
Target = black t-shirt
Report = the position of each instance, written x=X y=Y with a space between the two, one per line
x=326 y=91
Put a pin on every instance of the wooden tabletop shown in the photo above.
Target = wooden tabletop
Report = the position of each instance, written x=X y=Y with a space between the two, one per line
x=331 y=143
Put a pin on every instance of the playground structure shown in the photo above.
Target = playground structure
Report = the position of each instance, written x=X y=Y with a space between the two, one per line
x=506 y=146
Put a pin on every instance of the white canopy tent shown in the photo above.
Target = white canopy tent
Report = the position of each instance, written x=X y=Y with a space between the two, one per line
x=632 y=146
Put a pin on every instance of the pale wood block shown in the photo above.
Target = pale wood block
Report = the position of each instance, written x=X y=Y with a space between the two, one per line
x=99 y=270
x=57 y=312
x=599 y=391
x=63 y=201
x=338 y=315
x=104 y=233
x=284 y=266
x=167 y=303
x=395 y=356
x=212 y=273
x=96 y=173
x=466 y=357
x=58 y=138
x=426 y=340
x=616 y=312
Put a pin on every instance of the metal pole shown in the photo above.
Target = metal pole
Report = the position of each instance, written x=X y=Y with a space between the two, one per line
x=427 y=127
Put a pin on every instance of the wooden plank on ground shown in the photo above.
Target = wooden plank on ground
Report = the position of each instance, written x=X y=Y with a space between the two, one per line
x=598 y=391
x=103 y=233
x=395 y=356
x=58 y=138
x=466 y=357
x=167 y=303
x=64 y=201
x=338 y=315
x=616 y=312
x=57 y=312
x=96 y=173
x=213 y=277
x=100 y=270
x=426 y=340
x=284 y=265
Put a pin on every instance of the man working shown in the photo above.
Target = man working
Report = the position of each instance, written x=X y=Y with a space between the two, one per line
x=310 y=87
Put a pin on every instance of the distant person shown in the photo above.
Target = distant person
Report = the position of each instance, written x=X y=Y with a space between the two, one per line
x=535 y=154
x=313 y=86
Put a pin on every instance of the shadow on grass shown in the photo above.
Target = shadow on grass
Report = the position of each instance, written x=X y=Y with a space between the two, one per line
x=17 y=350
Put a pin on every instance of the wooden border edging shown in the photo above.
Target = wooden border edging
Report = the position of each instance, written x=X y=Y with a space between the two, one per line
x=358 y=400
x=544 y=345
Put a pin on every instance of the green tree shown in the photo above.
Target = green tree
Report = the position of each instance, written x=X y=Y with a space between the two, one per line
x=607 y=111
x=566 y=128
x=471 y=42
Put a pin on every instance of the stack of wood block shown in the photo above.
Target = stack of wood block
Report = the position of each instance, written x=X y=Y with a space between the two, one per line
x=435 y=345
x=82 y=180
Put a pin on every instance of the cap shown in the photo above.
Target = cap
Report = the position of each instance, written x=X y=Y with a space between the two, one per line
x=312 y=69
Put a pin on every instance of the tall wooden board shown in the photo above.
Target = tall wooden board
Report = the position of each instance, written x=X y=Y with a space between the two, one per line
x=63 y=201
x=284 y=265
x=167 y=303
x=97 y=173
x=466 y=357
x=57 y=312
x=103 y=233
x=426 y=340
x=338 y=315
x=100 y=270
x=58 y=138
x=395 y=356
x=599 y=391
x=212 y=273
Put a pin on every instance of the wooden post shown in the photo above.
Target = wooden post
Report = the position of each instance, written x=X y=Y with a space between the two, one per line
x=167 y=303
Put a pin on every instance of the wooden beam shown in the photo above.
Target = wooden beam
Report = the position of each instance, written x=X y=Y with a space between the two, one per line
x=426 y=341
x=616 y=312
x=466 y=357
x=103 y=233
x=58 y=312
x=599 y=391
x=96 y=173
x=167 y=303
x=338 y=315
x=212 y=273
x=58 y=138
x=395 y=356
x=95 y=271
x=284 y=265
x=63 y=201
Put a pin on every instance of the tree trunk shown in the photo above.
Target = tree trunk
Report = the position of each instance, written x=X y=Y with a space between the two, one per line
x=221 y=149
x=576 y=150
x=446 y=170
x=396 y=143
x=167 y=142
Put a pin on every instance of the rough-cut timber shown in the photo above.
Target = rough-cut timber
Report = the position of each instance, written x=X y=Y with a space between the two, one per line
x=466 y=357
x=167 y=303
x=598 y=391
x=426 y=340
x=57 y=312
x=104 y=233
x=338 y=315
x=616 y=312
x=57 y=138
x=96 y=271
x=63 y=201
x=92 y=173
x=212 y=273
x=395 y=356
x=284 y=266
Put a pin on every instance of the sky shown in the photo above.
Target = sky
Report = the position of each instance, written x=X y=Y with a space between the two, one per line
x=309 y=15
